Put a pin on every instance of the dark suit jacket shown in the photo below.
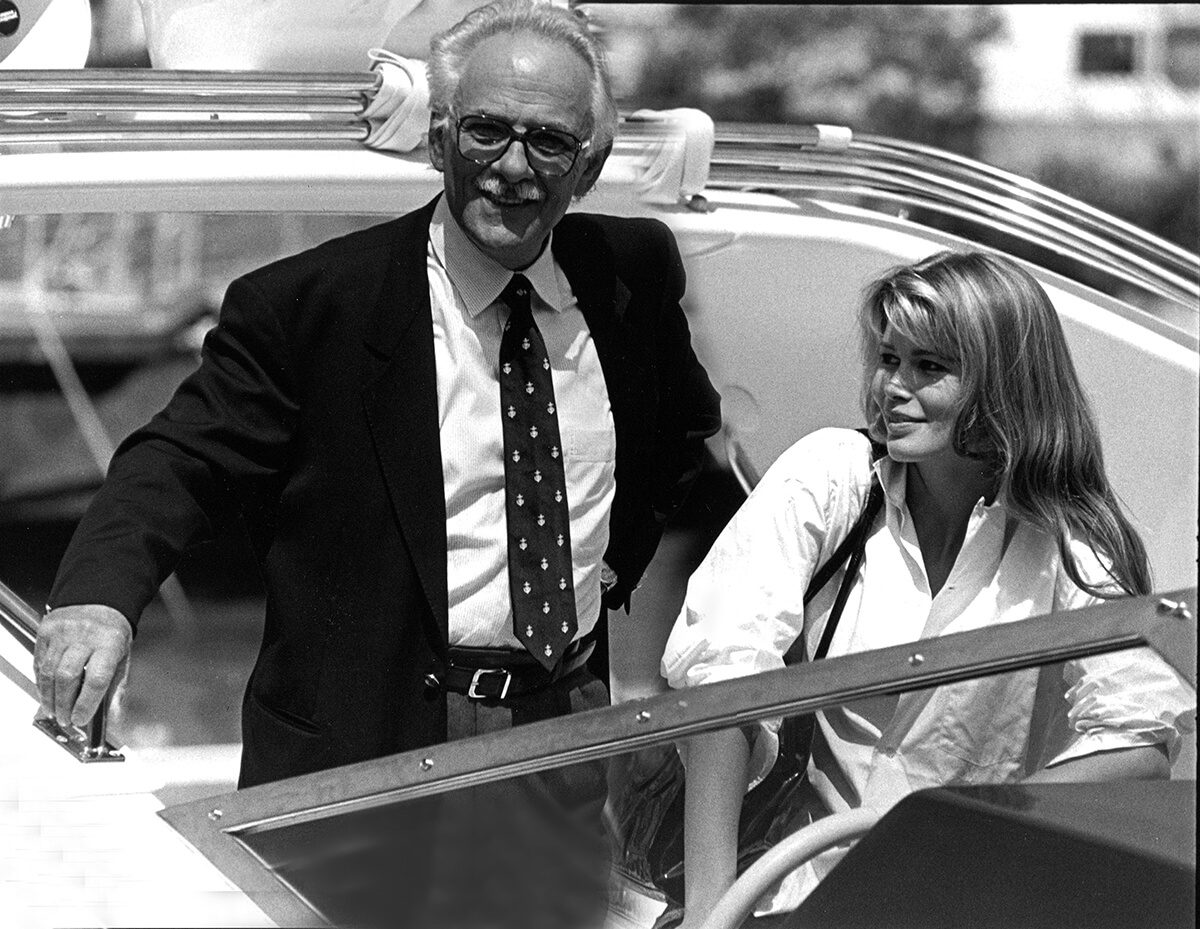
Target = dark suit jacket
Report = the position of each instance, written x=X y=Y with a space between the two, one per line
x=313 y=419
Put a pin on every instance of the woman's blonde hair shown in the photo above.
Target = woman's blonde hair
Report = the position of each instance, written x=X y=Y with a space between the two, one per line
x=1024 y=411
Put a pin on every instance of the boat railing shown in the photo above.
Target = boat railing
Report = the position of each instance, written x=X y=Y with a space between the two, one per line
x=102 y=93
x=909 y=175
x=141 y=107
x=89 y=744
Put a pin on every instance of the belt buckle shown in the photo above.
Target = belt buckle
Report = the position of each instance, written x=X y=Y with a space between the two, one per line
x=473 y=690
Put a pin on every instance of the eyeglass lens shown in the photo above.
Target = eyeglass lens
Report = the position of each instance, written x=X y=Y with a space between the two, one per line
x=483 y=139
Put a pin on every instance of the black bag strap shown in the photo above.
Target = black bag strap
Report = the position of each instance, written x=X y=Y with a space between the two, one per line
x=850 y=553
x=859 y=534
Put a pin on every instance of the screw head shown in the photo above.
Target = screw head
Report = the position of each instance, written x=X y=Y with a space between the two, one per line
x=916 y=658
x=426 y=764
x=643 y=716
x=214 y=815
x=1178 y=609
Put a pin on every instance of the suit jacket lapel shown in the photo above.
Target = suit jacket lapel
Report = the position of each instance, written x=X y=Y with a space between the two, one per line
x=400 y=398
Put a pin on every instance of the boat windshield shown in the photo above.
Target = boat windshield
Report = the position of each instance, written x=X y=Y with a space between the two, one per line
x=434 y=830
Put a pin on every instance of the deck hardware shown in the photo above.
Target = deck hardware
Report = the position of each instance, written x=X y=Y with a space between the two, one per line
x=214 y=815
x=426 y=764
x=916 y=659
x=643 y=716
x=1174 y=608
x=86 y=745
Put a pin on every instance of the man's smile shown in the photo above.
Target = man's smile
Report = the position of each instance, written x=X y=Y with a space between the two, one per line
x=496 y=191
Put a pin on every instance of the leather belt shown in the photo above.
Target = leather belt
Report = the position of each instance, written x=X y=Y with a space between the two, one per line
x=503 y=673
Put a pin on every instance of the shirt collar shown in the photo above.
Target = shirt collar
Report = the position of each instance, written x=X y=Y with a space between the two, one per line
x=478 y=279
x=893 y=477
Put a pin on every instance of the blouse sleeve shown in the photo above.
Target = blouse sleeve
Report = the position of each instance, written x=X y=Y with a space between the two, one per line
x=744 y=605
x=1121 y=699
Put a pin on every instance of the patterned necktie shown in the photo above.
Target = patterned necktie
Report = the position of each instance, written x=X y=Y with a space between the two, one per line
x=539 y=526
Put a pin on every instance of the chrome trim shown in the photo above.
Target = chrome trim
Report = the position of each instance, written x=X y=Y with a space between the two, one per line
x=86 y=107
x=1172 y=290
x=18 y=617
x=98 y=106
x=85 y=746
x=635 y=133
x=152 y=83
x=103 y=104
x=1106 y=627
x=767 y=159
x=177 y=132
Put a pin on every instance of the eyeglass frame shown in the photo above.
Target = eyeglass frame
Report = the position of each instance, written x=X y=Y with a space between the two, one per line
x=581 y=145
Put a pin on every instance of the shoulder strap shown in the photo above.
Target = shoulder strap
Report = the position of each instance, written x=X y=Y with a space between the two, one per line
x=859 y=534
x=852 y=548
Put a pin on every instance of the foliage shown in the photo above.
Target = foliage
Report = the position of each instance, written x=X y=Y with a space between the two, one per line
x=905 y=71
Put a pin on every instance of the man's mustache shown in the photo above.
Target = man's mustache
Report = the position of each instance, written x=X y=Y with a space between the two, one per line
x=523 y=190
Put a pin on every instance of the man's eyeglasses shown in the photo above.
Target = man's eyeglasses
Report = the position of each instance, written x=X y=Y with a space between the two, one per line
x=485 y=139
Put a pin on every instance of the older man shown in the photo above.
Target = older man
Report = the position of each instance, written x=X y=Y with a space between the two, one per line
x=454 y=437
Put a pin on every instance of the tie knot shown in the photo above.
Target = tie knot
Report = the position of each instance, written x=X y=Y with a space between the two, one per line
x=517 y=292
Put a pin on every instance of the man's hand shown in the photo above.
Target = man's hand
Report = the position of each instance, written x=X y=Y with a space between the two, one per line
x=80 y=650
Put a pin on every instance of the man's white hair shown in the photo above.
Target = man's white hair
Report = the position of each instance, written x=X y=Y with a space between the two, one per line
x=449 y=52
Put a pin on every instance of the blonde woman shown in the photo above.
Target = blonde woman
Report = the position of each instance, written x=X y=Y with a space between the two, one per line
x=996 y=508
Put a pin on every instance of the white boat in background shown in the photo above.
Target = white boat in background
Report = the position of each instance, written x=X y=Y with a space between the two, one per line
x=785 y=228
x=791 y=225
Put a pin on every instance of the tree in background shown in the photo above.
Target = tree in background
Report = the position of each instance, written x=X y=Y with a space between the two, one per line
x=912 y=72
x=905 y=71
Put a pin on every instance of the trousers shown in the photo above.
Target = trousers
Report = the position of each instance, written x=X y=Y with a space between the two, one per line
x=528 y=851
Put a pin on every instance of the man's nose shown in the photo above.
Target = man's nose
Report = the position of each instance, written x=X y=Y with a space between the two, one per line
x=513 y=164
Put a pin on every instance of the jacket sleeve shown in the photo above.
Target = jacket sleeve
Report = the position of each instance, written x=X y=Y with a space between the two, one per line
x=687 y=410
x=218 y=443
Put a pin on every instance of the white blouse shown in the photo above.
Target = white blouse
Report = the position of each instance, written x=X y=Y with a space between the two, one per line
x=744 y=608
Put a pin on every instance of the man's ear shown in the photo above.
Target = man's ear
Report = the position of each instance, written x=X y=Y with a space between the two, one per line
x=587 y=180
x=437 y=139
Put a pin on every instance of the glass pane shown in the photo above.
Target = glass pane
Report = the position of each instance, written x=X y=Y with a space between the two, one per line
x=1183 y=57
x=566 y=847
x=1106 y=53
x=600 y=844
